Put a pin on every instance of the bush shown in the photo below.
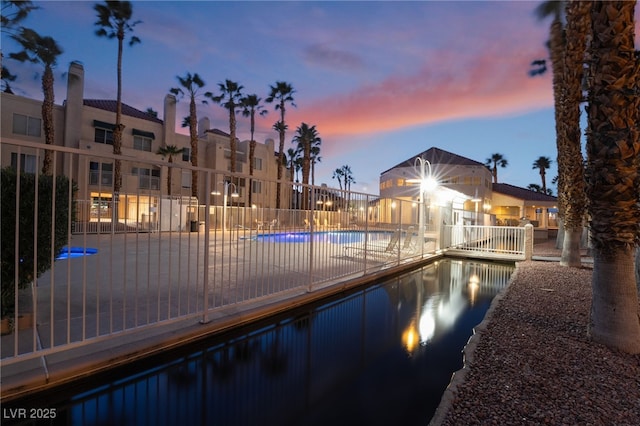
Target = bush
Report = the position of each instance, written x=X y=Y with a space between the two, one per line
x=30 y=262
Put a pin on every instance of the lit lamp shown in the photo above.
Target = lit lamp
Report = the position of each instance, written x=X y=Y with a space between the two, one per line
x=234 y=194
x=427 y=184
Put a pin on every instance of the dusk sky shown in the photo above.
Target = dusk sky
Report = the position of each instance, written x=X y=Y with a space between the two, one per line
x=382 y=81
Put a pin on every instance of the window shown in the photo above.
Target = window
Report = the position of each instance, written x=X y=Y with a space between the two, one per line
x=147 y=178
x=257 y=163
x=25 y=125
x=186 y=155
x=100 y=173
x=141 y=143
x=256 y=187
x=103 y=136
x=27 y=162
x=186 y=179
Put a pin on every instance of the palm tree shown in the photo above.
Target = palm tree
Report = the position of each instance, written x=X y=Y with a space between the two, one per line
x=293 y=163
x=571 y=188
x=114 y=20
x=169 y=151
x=348 y=177
x=250 y=106
x=493 y=162
x=613 y=175
x=281 y=93
x=13 y=13
x=43 y=50
x=315 y=157
x=305 y=137
x=542 y=164
x=230 y=98
x=534 y=187
x=191 y=85
x=339 y=175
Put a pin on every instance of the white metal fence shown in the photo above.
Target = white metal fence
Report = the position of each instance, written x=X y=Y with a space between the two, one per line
x=491 y=241
x=149 y=255
x=146 y=257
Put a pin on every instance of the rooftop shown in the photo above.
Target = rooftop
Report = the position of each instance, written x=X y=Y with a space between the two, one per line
x=109 y=105
x=438 y=156
x=522 y=193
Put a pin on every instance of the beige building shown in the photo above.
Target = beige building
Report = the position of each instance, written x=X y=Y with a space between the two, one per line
x=87 y=125
x=462 y=183
x=466 y=186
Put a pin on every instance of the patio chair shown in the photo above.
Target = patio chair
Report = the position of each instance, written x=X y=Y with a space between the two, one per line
x=377 y=248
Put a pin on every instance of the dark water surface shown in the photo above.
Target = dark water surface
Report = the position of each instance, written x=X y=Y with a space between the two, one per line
x=380 y=355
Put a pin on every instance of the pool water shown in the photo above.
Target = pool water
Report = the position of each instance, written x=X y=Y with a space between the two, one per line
x=333 y=237
x=73 y=252
x=379 y=355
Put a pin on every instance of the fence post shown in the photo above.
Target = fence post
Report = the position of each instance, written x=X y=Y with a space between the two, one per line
x=528 y=241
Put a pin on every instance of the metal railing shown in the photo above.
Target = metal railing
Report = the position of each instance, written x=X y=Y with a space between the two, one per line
x=146 y=258
x=489 y=241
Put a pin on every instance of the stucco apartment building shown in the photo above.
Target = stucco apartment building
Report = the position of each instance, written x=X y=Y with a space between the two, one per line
x=466 y=186
x=87 y=125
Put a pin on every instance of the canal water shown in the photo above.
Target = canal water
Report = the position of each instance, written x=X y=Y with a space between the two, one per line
x=379 y=355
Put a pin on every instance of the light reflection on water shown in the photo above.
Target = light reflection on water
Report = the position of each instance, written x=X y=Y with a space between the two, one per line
x=377 y=356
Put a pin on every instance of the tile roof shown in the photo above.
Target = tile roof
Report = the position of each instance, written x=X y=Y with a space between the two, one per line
x=217 y=132
x=109 y=105
x=522 y=193
x=438 y=156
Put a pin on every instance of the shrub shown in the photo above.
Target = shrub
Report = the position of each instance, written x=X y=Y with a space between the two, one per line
x=30 y=262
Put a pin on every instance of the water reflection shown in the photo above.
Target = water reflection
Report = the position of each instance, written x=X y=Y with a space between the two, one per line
x=381 y=355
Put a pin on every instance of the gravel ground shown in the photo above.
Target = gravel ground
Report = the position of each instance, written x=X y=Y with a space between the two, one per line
x=531 y=361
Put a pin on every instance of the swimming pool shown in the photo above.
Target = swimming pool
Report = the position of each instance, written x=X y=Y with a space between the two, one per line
x=333 y=237
x=72 y=252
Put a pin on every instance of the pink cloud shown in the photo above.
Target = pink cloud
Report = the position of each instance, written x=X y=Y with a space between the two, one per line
x=490 y=84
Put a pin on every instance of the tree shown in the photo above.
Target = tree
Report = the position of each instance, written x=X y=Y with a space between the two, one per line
x=41 y=233
x=293 y=163
x=43 y=50
x=339 y=175
x=315 y=157
x=230 y=98
x=115 y=21
x=169 y=151
x=306 y=136
x=250 y=106
x=571 y=188
x=192 y=83
x=13 y=13
x=281 y=93
x=567 y=49
x=493 y=162
x=613 y=175
x=542 y=164
x=537 y=188
x=348 y=177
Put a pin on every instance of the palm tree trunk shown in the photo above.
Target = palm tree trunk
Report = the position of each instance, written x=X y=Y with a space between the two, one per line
x=614 y=309
x=570 y=162
x=232 y=138
x=47 y=117
x=193 y=136
x=613 y=175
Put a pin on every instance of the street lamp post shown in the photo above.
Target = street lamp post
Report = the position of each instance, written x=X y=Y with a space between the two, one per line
x=427 y=184
x=234 y=194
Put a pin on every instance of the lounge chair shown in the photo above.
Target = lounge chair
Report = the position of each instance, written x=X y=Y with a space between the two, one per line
x=377 y=248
